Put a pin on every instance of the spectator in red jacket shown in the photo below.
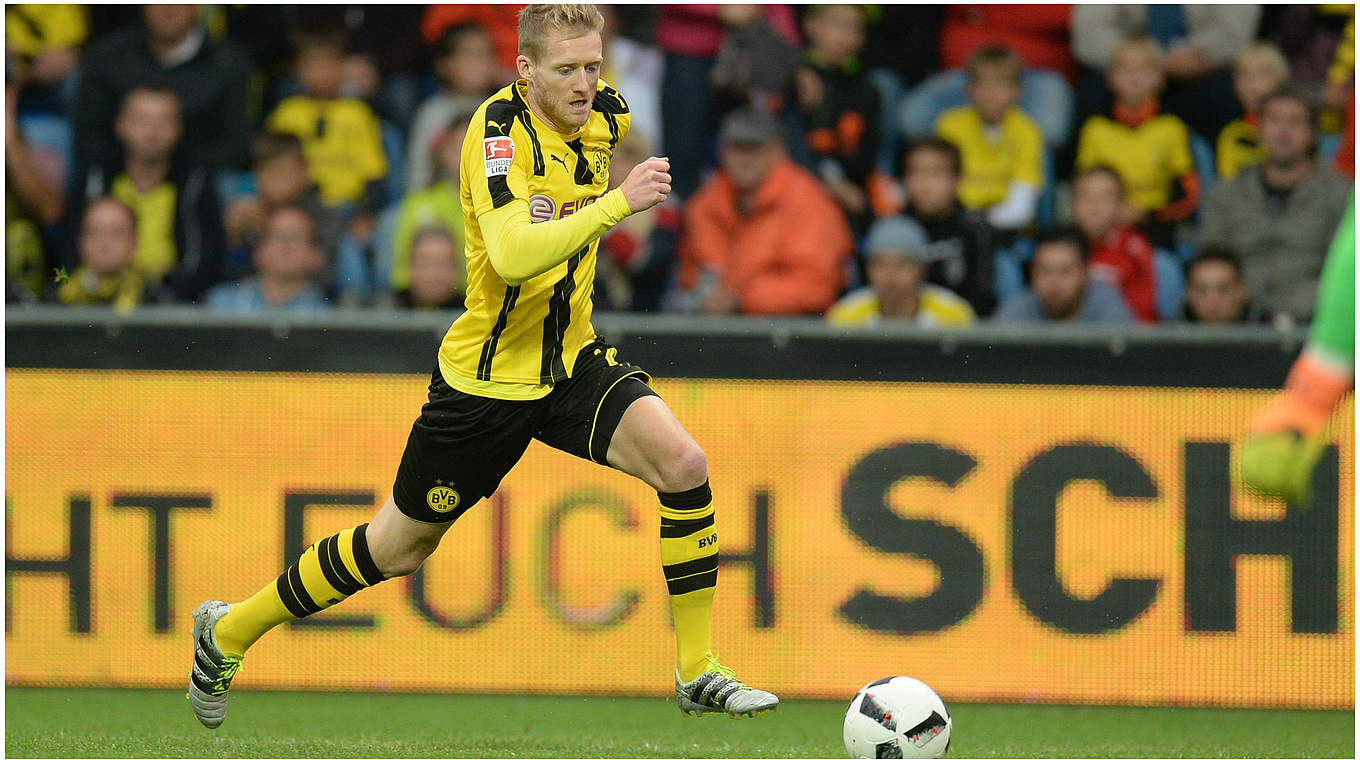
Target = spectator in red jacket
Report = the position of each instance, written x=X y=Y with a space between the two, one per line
x=762 y=236
x=1120 y=254
x=1037 y=33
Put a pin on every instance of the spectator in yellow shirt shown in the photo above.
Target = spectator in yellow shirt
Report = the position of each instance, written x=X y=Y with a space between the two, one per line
x=1002 y=148
x=897 y=253
x=340 y=136
x=1149 y=149
x=1259 y=70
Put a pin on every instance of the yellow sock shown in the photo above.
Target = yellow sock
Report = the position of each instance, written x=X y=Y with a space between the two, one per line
x=689 y=559
x=327 y=573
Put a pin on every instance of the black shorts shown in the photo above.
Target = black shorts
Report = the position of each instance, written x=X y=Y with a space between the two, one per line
x=463 y=445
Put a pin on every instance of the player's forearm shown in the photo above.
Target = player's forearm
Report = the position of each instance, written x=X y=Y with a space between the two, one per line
x=519 y=250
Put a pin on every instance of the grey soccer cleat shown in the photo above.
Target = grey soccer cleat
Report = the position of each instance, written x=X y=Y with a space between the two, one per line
x=211 y=676
x=718 y=689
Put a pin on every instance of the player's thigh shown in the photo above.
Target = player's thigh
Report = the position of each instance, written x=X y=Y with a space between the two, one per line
x=650 y=443
x=458 y=451
x=584 y=413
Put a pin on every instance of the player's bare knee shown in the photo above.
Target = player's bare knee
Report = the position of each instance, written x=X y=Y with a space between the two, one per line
x=686 y=469
x=406 y=559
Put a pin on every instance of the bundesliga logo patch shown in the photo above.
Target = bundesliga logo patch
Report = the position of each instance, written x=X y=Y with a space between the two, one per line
x=497 y=153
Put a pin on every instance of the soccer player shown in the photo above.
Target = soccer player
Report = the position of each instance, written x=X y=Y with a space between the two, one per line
x=1286 y=434
x=523 y=362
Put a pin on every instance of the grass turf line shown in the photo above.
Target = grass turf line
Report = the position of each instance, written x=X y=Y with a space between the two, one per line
x=138 y=723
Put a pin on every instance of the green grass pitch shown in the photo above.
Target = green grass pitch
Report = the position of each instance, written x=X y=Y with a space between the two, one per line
x=143 y=723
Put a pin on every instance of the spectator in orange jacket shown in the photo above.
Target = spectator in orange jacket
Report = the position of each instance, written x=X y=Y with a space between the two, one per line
x=762 y=236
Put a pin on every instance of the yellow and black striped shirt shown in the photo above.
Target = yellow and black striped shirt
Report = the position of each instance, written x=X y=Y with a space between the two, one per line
x=515 y=341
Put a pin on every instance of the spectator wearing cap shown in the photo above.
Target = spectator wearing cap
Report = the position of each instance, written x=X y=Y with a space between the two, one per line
x=897 y=254
x=1062 y=289
x=762 y=236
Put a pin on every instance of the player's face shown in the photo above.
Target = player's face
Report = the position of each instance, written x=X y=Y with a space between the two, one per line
x=562 y=85
x=1214 y=293
x=1096 y=204
x=107 y=238
x=1059 y=279
x=931 y=184
x=149 y=125
x=1286 y=132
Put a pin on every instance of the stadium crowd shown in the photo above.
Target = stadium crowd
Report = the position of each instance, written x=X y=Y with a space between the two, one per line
x=937 y=164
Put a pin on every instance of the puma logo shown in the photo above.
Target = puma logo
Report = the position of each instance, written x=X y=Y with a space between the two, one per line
x=559 y=160
x=497 y=126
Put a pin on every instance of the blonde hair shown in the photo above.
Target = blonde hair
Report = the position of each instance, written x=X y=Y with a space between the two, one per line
x=1140 y=43
x=538 y=21
x=1266 y=53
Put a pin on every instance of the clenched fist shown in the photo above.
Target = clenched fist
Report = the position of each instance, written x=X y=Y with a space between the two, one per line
x=647 y=184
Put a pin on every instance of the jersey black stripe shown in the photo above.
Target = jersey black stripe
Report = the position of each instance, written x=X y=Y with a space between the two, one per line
x=489 y=347
x=500 y=115
x=555 y=324
x=539 y=168
x=613 y=122
x=584 y=176
x=608 y=100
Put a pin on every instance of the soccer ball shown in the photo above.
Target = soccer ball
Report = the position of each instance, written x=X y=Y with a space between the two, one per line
x=897 y=717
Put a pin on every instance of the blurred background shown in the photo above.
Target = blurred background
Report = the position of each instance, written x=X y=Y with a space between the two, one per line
x=994 y=287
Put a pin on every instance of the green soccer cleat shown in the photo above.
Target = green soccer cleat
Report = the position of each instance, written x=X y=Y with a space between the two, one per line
x=1281 y=464
x=718 y=689
x=213 y=670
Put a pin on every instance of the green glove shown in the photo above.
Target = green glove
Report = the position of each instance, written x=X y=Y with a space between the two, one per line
x=1281 y=463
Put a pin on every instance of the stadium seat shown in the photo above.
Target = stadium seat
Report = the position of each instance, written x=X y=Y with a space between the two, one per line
x=1170 y=284
x=1009 y=274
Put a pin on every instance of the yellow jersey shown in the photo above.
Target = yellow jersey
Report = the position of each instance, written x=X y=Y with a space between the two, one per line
x=1149 y=157
x=342 y=140
x=517 y=339
x=1239 y=146
x=993 y=158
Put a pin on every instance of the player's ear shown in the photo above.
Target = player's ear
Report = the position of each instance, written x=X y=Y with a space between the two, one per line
x=524 y=66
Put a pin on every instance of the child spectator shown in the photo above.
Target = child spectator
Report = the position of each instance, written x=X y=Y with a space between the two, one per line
x=898 y=252
x=281 y=179
x=762 y=236
x=438 y=205
x=1216 y=291
x=179 y=220
x=340 y=136
x=839 y=107
x=1149 y=149
x=1061 y=288
x=287 y=259
x=465 y=63
x=1260 y=69
x=962 y=253
x=1120 y=255
x=1002 y=148
x=637 y=256
x=437 y=275
x=106 y=277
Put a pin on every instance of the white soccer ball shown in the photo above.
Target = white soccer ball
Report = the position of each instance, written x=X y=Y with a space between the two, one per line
x=897 y=717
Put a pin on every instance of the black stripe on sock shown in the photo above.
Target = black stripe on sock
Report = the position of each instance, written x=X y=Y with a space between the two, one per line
x=290 y=599
x=328 y=554
x=300 y=590
x=695 y=498
x=693 y=583
x=681 y=528
x=682 y=569
x=367 y=567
